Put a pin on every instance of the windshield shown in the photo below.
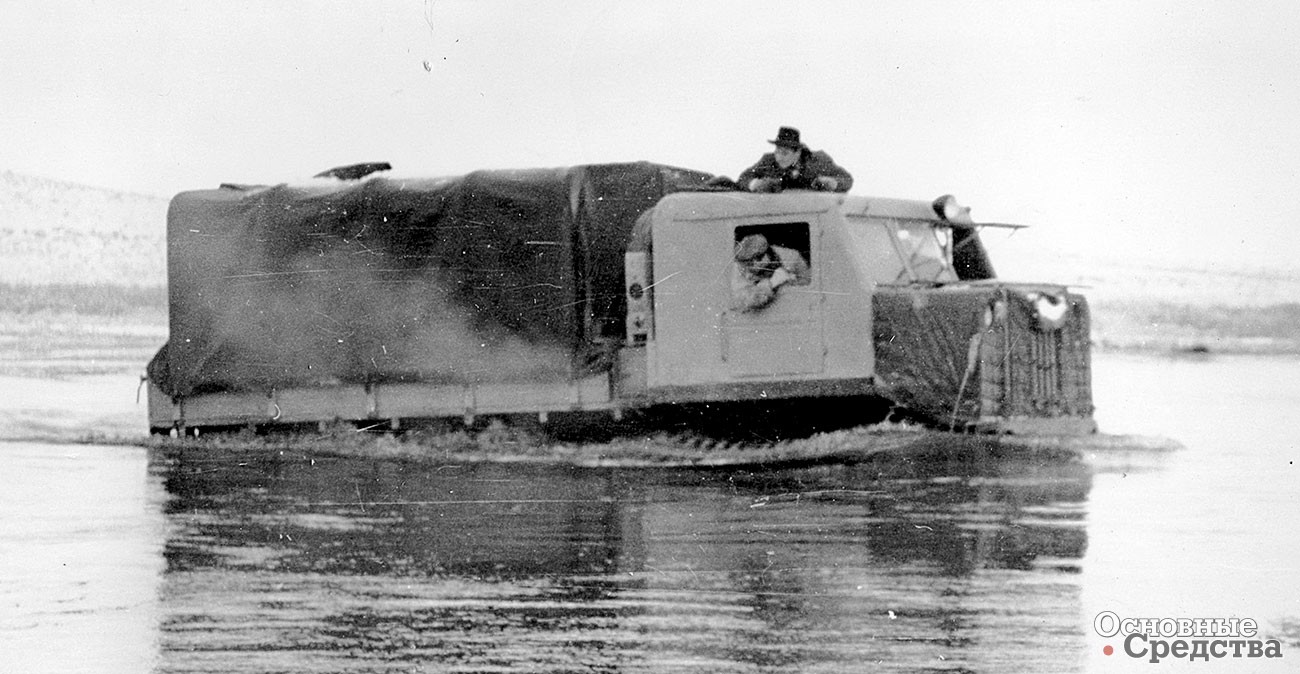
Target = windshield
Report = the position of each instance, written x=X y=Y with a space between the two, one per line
x=901 y=251
x=874 y=250
x=927 y=251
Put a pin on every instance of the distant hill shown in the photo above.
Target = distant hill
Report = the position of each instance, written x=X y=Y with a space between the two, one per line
x=66 y=236
x=1142 y=302
x=53 y=232
x=1113 y=277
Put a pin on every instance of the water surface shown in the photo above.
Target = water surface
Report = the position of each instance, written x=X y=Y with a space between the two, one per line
x=118 y=560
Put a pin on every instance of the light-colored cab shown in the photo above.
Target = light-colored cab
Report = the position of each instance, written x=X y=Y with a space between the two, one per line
x=682 y=305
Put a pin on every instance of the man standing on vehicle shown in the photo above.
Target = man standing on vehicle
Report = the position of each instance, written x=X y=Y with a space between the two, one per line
x=792 y=166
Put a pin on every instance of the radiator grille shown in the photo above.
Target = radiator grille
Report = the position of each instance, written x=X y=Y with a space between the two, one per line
x=1044 y=368
x=1030 y=371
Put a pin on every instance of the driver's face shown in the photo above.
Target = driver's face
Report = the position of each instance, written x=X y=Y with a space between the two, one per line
x=764 y=264
x=786 y=156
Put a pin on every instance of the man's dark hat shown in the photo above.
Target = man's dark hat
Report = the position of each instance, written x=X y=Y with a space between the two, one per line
x=787 y=136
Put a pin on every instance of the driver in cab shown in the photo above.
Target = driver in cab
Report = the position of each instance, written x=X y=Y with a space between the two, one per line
x=761 y=269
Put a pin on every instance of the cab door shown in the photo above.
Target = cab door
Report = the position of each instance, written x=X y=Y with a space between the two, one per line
x=785 y=337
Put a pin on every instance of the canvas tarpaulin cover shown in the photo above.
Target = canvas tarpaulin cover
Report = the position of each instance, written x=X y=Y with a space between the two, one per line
x=936 y=355
x=491 y=276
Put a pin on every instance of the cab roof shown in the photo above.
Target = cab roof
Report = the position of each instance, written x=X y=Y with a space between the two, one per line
x=705 y=205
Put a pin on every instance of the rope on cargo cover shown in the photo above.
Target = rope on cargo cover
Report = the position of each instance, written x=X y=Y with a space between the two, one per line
x=972 y=359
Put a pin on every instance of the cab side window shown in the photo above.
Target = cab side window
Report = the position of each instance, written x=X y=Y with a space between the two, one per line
x=782 y=238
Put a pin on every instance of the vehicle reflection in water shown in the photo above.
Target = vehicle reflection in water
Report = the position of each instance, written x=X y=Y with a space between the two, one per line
x=919 y=563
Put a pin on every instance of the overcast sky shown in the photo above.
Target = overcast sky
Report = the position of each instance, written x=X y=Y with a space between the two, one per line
x=1163 y=129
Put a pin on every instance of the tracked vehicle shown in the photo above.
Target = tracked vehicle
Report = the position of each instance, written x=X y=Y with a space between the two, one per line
x=601 y=291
